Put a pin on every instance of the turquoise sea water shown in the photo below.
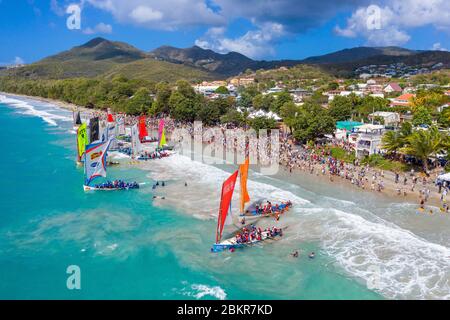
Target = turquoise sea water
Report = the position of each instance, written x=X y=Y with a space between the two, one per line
x=129 y=247
x=48 y=223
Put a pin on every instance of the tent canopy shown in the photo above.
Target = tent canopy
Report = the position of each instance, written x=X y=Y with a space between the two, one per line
x=444 y=177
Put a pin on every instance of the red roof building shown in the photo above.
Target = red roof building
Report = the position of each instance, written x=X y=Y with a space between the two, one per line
x=404 y=100
x=392 y=87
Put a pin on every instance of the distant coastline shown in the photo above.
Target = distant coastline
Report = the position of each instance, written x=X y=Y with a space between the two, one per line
x=58 y=103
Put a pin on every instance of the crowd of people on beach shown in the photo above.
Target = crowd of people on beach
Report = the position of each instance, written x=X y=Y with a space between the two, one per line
x=315 y=159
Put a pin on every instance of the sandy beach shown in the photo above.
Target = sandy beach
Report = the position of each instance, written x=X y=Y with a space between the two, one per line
x=393 y=191
x=356 y=233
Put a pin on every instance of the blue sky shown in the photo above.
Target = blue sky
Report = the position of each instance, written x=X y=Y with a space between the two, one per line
x=261 y=29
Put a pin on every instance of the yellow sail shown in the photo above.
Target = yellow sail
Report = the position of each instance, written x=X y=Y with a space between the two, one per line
x=243 y=169
x=162 y=141
x=82 y=140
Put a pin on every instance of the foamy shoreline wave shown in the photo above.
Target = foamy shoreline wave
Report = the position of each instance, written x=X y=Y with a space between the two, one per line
x=45 y=111
x=387 y=258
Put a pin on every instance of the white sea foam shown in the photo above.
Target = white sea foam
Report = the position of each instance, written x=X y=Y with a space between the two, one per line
x=203 y=290
x=47 y=112
x=200 y=291
x=390 y=259
x=394 y=261
x=178 y=166
x=116 y=155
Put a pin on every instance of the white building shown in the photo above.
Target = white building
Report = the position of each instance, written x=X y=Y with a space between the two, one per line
x=263 y=114
x=390 y=119
x=368 y=141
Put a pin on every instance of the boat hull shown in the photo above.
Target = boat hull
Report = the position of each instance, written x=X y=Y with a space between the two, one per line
x=219 y=247
x=88 y=188
x=233 y=244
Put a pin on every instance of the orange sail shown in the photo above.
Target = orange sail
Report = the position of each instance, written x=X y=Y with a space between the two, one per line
x=243 y=169
x=225 y=201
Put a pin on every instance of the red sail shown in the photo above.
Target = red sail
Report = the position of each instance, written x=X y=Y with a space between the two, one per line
x=142 y=127
x=225 y=200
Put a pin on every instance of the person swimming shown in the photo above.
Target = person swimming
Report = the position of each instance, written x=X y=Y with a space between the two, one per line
x=295 y=254
x=312 y=255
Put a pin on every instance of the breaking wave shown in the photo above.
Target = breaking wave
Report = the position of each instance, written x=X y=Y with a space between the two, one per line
x=46 y=112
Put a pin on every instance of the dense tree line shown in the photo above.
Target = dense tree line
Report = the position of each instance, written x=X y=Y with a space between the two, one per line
x=306 y=122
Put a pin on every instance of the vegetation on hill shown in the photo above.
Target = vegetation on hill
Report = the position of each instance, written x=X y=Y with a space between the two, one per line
x=358 y=53
x=441 y=77
x=299 y=76
x=100 y=57
x=150 y=69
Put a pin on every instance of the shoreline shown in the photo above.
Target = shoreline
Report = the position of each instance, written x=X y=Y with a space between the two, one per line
x=340 y=229
x=57 y=103
x=389 y=191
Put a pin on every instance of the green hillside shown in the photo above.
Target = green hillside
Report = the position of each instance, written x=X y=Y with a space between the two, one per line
x=151 y=69
x=103 y=59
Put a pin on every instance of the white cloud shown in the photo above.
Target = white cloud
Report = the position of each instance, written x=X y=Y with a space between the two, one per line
x=156 y=14
x=56 y=8
x=388 y=22
x=438 y=47
x=254 y=44
x=396 y=19
x=143 y=14
x=18 y=60
x=99 y=28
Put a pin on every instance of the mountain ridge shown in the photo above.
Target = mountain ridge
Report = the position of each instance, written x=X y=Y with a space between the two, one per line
x=100 y=57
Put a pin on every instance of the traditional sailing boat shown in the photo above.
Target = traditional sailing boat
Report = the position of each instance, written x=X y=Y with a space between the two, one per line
x=143 y=132
x=162 y=143
x=95 y=162
x=135 y=142
x=76 y=119
x=161 y=134
x=95 y=166
x=248 y=236
x=258 y=209
x=82 y=141
x=224 y=212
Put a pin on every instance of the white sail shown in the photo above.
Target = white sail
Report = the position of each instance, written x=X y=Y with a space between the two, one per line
x=111 y=133
x=121 y=126
x=103 y=130
x=95 y=160
x=135 y=142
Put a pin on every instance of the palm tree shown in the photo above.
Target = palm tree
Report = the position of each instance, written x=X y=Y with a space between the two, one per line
x=392 y=141
x=424 y=143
